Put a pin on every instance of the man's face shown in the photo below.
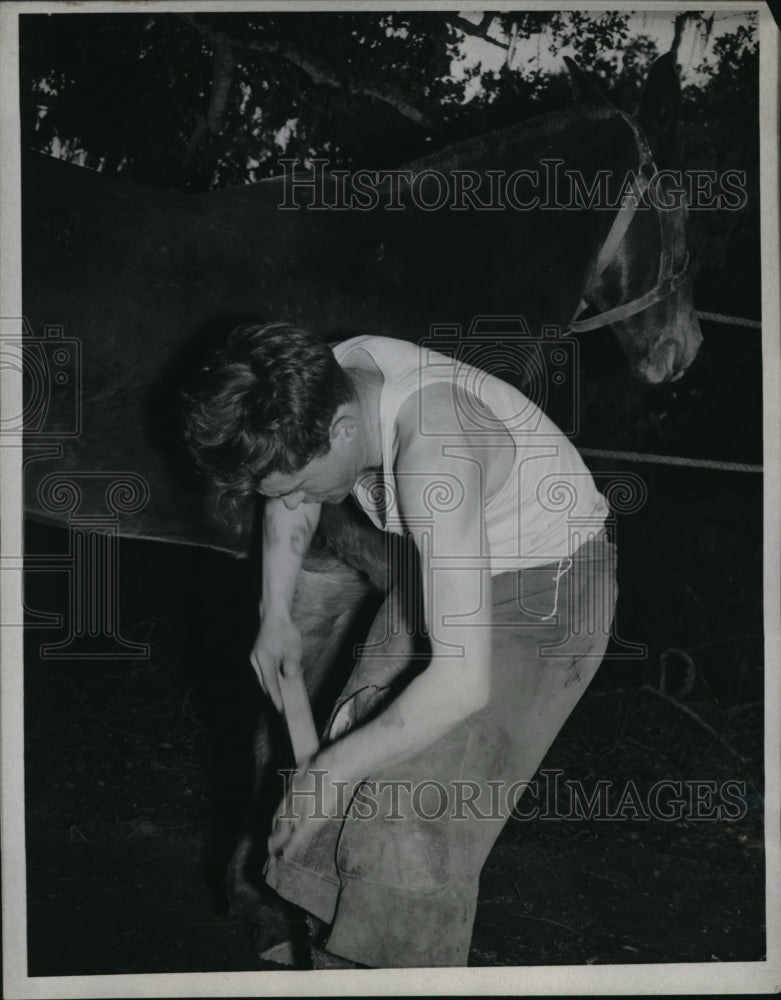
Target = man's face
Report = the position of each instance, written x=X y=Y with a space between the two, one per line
x=326 y=479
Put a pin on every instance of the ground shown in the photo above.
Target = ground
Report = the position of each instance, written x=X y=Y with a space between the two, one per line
x=137 y=772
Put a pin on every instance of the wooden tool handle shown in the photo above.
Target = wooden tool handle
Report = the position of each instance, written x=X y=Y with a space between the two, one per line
x=298 y=716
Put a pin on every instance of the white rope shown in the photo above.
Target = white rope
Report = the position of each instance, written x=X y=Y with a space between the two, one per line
x=694 y=463
x=752 y=324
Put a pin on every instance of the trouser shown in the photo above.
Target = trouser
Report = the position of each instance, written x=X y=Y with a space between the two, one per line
x=397 y=879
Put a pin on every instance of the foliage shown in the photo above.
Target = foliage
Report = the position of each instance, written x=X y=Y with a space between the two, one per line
x=215 y=100
x=212 y=100
x=722 y=130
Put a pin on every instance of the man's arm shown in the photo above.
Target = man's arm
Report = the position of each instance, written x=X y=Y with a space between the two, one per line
x=286 y=538
x=442 y=503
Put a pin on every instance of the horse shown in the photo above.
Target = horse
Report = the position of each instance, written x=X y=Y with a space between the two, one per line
x=128 y=285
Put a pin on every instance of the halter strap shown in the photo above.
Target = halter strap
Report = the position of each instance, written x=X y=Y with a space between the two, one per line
x=620 y=312
x=667 y=280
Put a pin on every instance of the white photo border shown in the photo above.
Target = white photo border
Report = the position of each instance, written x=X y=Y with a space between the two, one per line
x=670 y=978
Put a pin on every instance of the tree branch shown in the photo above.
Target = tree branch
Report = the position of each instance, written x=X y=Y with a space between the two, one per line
x=678 y=25
x=222 y=77
x=479 y=30
x=196 y=138
x=224 y=65
x=316 y=72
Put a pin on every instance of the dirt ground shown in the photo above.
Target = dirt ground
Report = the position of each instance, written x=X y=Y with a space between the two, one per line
x=138 y=771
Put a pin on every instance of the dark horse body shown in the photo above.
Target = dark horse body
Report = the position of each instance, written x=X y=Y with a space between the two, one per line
x=135 y=274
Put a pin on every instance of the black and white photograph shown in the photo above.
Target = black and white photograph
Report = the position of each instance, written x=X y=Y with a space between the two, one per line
x=390 y=444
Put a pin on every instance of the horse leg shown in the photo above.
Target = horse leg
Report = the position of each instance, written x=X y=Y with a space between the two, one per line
x=347 y=533
x=336 y=599
x=326 y=608
x=390 y=655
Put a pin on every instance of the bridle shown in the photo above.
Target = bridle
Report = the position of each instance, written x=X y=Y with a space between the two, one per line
x=668 y=279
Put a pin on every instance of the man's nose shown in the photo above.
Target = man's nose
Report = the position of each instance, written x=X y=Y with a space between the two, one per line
x=292 y=500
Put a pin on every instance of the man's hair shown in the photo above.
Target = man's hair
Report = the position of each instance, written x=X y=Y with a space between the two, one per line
x=264 y=403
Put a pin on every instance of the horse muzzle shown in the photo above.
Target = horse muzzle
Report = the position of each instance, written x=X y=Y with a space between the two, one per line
x=669 y=360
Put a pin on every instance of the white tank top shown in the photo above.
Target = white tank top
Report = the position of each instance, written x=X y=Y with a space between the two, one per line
x=548 y=504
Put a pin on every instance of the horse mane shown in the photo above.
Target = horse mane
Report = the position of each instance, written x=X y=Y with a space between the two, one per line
x=487 y=150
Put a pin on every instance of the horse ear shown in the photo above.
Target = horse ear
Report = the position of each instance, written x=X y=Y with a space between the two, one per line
x=584 y=90
x=660 y=103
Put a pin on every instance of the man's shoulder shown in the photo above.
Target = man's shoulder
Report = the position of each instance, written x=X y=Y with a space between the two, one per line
x=434 y=413
x=447 y=405
x=389 y=345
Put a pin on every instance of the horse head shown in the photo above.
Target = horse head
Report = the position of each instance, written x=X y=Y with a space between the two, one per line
x=640 y=283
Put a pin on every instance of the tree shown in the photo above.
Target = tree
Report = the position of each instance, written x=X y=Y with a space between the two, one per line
x=214 y=100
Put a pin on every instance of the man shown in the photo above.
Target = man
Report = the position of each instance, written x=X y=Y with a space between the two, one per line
x=384 y=832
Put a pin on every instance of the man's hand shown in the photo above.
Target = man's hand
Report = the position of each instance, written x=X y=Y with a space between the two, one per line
x=286 y=537
x=277 y=650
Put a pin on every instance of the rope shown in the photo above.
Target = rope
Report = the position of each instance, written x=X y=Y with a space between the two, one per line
x=693 y=463
x=752 y=324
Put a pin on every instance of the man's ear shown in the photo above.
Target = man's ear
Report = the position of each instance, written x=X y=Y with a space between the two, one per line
x=344 y=424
